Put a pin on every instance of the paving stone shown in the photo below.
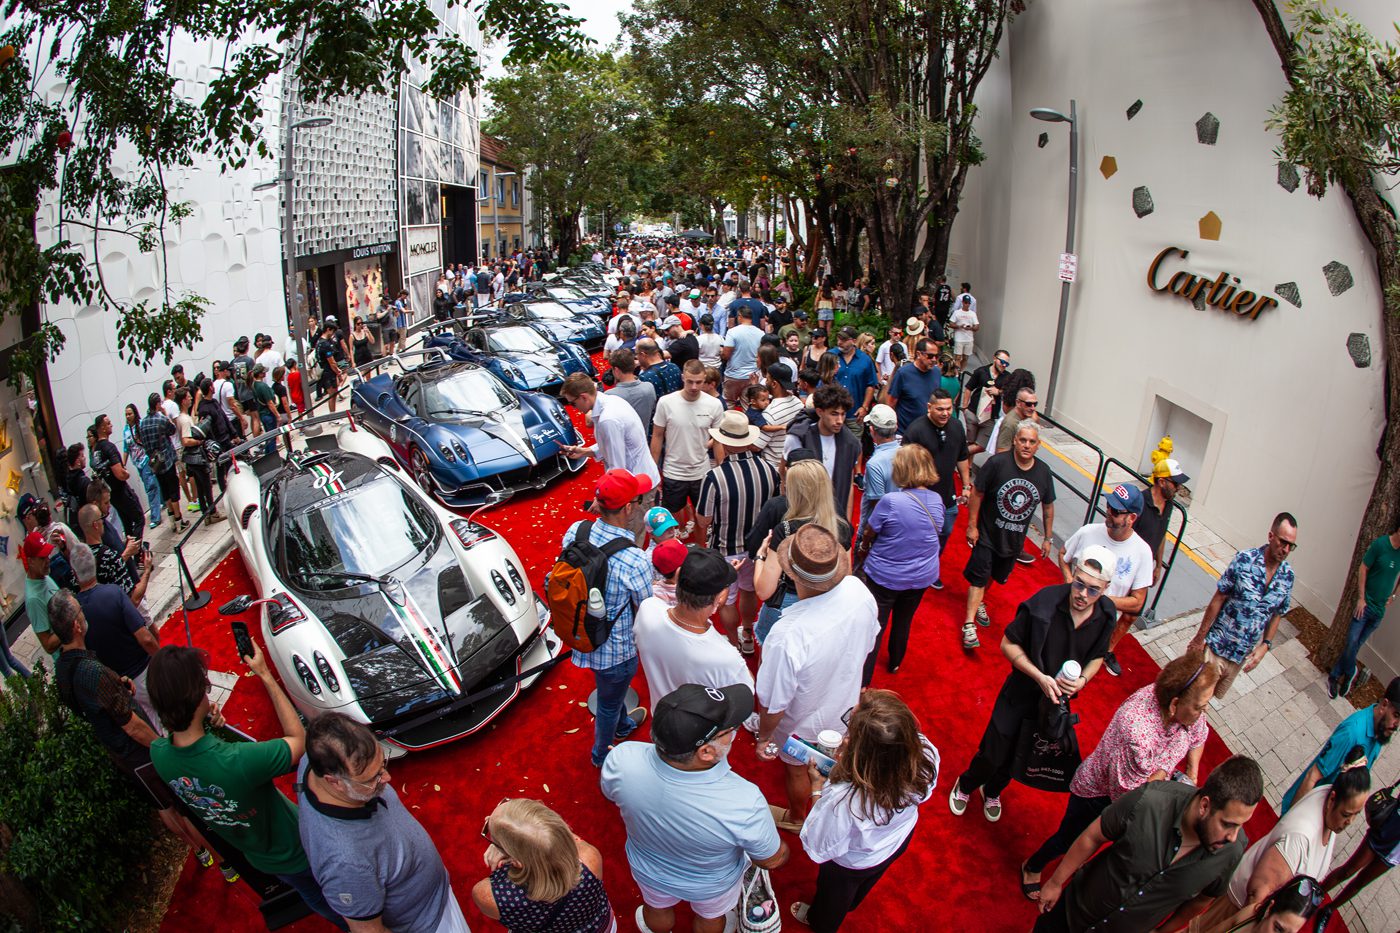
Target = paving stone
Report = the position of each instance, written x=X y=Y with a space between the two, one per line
x=1330 y=717
x=1297 y=676
x=1273 y=767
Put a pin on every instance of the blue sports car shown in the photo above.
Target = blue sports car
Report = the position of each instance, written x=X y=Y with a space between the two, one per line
x=463 y=433
x=560 y=323
x=517 y=353
x=575 y=294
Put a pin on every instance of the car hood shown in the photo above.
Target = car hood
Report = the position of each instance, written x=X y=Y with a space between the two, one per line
x=432 y=647
x=537 y=368
x=506 y=436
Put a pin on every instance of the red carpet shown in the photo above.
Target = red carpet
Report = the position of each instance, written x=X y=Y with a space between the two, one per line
x=959 y=873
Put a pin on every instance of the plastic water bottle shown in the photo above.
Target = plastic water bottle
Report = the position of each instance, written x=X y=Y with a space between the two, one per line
x=596 y=607
x=761 y=911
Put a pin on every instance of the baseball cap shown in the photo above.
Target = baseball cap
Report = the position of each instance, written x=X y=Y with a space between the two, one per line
x=668 y=556
x=671 y=321
x=848 y=333
x=705 y=572
x=695 y=293
x=27 y=502
x=1124 y=498
x=782 y=375
x=660 y=520
x=798 y=454
x=1101 y=556
x=799 y=315
x=691 y=715
x=882 y=417
x=616 y=488
x=1169 y=469
x=35 y=546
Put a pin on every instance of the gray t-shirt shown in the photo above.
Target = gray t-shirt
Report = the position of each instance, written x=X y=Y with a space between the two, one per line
x=374 y=861
x=641 y=396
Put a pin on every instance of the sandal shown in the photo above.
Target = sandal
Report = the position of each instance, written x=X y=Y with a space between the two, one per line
x=1030 y=889
x=799 y=911
x=780 y=816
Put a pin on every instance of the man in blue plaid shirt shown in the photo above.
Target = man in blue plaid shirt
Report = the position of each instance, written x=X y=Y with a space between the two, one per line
x=614 y=662
x=155 y=431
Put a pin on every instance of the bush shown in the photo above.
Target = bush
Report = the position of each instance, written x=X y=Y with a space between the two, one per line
x=78 y=833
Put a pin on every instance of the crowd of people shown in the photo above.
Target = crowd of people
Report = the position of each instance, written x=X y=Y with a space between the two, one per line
x=772 y=511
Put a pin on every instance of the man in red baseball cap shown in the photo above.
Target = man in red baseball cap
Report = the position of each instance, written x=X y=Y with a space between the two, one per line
x=617 y=502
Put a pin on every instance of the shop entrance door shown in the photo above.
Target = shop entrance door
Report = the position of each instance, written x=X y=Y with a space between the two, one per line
x=458 y=224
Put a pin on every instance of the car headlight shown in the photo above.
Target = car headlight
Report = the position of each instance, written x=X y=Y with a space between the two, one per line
x=447 y=453
x=461 y=451
x=307 y=678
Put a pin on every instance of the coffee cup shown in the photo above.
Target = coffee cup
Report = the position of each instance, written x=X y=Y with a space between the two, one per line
x=1070 y=670
x=828 y=740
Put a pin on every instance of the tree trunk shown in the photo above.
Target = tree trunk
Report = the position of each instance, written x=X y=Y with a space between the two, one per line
x=566 y=234
x=1383 y=509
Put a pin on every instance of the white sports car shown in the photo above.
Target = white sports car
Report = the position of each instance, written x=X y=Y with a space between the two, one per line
x=383 y=605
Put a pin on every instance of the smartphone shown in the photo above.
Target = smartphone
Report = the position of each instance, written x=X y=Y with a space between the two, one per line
x=242 y=640
x=796 y=748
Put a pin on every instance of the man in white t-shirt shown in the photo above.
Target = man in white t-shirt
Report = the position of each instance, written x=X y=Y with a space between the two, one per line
x=884 y=362
x=963 y=323
x=680 y=439
x=814 y=656
x=678 y=645
x=620 y=442
x=269 y=358
x=1132 y=573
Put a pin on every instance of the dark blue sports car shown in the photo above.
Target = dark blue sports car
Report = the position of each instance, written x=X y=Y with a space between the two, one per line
x=463 y=433
x=559 y=322
x=516 y=352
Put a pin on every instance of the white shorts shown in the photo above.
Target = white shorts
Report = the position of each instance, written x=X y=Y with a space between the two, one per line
x=745 y=581
x=962 y=347
x=711 y=908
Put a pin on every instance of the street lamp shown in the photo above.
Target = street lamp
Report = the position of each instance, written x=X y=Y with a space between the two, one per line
x=1054 y=116
x=287 y=179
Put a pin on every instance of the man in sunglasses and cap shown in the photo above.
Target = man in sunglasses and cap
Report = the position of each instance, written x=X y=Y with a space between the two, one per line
x=1068 y=622
x=693 y=825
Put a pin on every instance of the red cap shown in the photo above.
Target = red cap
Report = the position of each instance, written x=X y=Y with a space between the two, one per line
x=668 y=556
x=36 y=545
x=616 y=488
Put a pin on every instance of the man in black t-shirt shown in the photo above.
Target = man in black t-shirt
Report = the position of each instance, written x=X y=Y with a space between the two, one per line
x=942 y=299
x=1009 y=487
x=989 y=379
x=942 y=436
x=325 y=358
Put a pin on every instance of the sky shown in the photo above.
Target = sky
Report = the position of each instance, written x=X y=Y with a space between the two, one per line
x=599 y=23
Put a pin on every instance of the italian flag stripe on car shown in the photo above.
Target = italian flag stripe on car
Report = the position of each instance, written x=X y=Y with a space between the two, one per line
x=429 y=649
x=327 y=479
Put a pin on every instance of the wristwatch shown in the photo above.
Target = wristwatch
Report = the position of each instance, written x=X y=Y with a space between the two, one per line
x=1268 y=644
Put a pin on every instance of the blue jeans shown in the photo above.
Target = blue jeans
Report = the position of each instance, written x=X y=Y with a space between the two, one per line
x=1357 y=633
x=304 y=883
x=9 y=664
x=767 y=616
x=148 y=479
x=269 y=423
x=612 y=723
x=950 y=515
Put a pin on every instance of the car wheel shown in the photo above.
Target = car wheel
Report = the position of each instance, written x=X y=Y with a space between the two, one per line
x=422 y=475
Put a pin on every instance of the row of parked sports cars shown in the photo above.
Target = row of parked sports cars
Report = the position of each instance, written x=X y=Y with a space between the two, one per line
x=380 y=595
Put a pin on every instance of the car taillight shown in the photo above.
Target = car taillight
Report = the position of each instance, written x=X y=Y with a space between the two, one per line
x=502 y=587
x=327 y=673
x=308 y=679
x=470 y=533
x=247 y=516
x=284 y=613
x=390 y=463
x=515 y=578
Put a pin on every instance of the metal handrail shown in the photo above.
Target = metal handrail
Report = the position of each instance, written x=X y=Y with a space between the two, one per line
x=1098 y=471
x=1161 y=584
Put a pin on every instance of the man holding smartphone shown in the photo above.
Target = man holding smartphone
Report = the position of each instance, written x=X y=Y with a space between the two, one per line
x=229 y=784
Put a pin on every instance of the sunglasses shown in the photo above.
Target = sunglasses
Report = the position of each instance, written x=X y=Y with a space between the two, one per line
x=1091 y=591
x=1021 y=401
x=1001 y=362
x=486 y=828
x=1288 y=545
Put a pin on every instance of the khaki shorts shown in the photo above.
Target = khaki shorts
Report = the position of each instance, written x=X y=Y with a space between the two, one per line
x=734 y=388
x=1229 y=670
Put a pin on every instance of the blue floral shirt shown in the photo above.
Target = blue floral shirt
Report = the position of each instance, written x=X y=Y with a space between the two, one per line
x=1249 y=604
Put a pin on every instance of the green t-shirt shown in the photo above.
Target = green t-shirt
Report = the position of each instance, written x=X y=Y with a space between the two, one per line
x=1382 y=569
x=229 y=784
x=37 y=594
x=264 y=399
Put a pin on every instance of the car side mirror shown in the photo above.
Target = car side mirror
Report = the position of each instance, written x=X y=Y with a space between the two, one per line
x=235 y=606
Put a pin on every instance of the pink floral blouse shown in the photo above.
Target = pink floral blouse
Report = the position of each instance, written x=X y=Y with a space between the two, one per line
x=1134 y=745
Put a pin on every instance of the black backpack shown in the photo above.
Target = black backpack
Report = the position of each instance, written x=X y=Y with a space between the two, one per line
x=581 y=570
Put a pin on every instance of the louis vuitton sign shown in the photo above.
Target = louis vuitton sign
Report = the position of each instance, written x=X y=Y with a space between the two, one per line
x=1223 y=291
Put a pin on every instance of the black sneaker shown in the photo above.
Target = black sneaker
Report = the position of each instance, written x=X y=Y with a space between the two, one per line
x=1110 y=663
x=1025 y=558
x=938 y=584
x=1324 y=917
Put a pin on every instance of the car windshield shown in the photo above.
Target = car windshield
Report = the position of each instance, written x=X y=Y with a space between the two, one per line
x=565 y=294
x=518 y=340
x=468 y=391
x=371 y=529
x=549 y=311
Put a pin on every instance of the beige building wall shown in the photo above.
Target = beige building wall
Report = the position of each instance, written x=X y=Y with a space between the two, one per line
x=1269 y=413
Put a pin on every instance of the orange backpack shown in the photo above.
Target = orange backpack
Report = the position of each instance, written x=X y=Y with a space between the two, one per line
x=575 y=588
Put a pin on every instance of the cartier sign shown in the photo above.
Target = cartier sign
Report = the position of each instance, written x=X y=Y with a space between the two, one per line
x=1223 y=291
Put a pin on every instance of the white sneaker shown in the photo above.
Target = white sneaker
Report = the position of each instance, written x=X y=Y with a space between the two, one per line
x=991 y=808
x=957 y=801
x=969 y=634
x=745 y=640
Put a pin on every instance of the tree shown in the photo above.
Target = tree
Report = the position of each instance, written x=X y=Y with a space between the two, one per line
x=870 y=104
x=101 y=153
x=581 y=127
x=1339 y=121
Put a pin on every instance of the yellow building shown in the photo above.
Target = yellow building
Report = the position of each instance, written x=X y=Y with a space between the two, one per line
x=500 y=202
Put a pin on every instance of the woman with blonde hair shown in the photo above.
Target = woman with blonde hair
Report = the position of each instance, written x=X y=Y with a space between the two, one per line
x=807 y=499
x=862 y=821
x=1157 y=728
x=899 y=549
x=543 y=877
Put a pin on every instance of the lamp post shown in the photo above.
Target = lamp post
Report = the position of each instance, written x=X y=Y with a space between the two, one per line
x=1054 y=116
x=288 y=181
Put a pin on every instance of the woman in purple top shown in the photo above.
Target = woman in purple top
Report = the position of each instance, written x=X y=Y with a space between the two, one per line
x=544 y=879
x=899 y=549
